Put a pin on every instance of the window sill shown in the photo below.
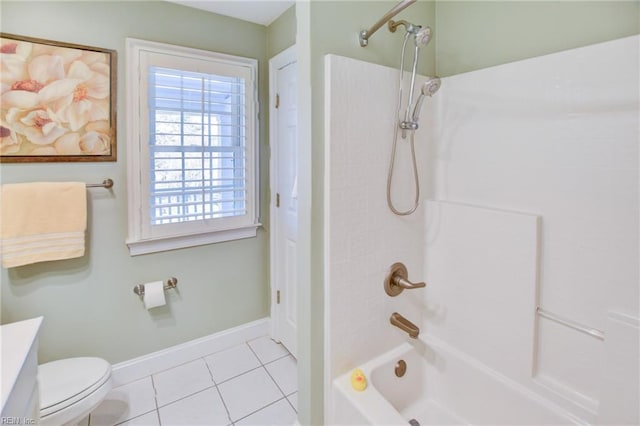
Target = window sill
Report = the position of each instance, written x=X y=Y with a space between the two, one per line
x=138 y=247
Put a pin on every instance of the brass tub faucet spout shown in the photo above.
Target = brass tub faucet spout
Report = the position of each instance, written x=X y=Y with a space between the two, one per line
x=405 y=325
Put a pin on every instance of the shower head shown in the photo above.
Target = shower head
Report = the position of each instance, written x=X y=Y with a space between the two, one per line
x=429 y=88
x=422 y=36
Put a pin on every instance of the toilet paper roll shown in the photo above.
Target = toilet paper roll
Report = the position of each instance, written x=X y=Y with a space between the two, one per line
x=154 y=294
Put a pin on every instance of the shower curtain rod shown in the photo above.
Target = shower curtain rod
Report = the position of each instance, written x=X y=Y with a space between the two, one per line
x=365 y=34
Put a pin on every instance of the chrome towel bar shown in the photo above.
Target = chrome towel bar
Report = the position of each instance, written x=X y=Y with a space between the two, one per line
x=171 y=283
x=107 y=183
x=598 y=334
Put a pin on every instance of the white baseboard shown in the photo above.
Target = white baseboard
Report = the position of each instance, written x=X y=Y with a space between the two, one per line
x=143 y=366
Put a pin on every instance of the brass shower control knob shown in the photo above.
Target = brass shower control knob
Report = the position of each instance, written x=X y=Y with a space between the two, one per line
x=398 y=280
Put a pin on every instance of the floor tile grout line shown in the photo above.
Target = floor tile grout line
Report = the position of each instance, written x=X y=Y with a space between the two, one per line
x=244 y=372
x=155 y=397
x=155 y=401
x=273 y=360
x=172 y=367
x=291 y=405
x=155 y=391
x=213 y=384
x=274 y=381
x=187 y=396
x=141 y=414
x=278 y=359
x=255 y=354
x=133 y=418
x=210 y=372
x=224 y=404
x=259 y=409
x=270 y=362
x=277 y=384
x=263 y=366
x=238 y=375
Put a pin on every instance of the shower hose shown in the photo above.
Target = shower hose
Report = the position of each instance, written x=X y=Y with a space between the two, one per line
x=411 y=138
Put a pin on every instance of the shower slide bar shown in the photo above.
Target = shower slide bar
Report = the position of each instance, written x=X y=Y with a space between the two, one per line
x=365 y=34
x=598 y=334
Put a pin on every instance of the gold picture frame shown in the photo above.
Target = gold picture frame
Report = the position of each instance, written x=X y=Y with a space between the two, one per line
x=58 y=101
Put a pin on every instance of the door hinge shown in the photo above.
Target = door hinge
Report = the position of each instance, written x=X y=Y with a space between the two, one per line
x=278 y=297
x=277 y=199
x=277 y=100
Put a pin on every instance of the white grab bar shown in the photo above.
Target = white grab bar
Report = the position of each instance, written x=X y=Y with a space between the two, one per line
x=598 y=334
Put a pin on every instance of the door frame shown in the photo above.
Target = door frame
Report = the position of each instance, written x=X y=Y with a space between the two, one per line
x=280 y=60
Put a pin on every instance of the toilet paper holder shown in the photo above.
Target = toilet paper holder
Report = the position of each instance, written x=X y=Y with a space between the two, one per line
x=171 y=283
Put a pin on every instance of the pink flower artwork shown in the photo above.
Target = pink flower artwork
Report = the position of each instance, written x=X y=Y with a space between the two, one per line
x=57 y=101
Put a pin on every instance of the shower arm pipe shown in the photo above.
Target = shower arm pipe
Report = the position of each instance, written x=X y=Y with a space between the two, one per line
x=365 y=34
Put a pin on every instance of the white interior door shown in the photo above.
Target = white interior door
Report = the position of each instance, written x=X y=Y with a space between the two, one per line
x=284 y=197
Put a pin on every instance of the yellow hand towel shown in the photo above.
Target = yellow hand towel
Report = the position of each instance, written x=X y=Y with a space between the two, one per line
x=42 y=221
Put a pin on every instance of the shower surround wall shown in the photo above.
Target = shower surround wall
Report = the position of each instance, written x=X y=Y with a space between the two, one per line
x=363 y=237
x=557 y=136
x=548 y=139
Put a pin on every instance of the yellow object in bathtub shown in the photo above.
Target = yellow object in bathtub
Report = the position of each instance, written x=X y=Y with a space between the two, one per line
x=358 y=380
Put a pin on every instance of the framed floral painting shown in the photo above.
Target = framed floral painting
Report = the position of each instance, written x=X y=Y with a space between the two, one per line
x=58 y=101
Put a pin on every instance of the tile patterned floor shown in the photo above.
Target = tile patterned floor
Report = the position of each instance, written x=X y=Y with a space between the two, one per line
x=254 y=383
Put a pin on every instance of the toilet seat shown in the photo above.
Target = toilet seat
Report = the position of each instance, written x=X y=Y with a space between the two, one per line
x=71 y=388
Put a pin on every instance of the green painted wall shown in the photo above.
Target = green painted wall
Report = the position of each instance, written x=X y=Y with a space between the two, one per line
x=88 y=303
x=281 y=33
x=479 y=34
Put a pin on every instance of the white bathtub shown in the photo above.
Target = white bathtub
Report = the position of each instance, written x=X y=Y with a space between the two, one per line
x=441 y=387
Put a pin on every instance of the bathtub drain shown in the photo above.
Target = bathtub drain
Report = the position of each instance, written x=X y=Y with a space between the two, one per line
x=401 y=368
x=414 y=422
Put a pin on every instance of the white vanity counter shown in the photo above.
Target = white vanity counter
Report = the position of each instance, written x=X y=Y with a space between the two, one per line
x=19 y=370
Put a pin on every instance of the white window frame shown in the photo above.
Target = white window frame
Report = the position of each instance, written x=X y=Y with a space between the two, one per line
x=144 y=238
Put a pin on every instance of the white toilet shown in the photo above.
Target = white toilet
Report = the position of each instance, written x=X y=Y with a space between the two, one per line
x=71 y=388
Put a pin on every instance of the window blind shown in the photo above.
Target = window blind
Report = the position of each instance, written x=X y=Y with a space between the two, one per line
x=197 y=146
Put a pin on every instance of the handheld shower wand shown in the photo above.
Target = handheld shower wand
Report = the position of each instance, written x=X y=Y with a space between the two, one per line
x=429 y=88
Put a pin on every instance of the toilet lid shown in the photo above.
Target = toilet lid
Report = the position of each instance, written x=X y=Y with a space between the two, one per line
x=65 y=382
